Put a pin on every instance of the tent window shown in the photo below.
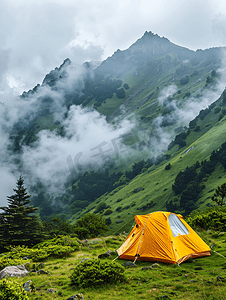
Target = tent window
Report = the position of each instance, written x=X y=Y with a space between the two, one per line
x=177 y=227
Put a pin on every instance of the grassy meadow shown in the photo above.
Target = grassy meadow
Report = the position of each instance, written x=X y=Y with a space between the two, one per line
x=201 y=278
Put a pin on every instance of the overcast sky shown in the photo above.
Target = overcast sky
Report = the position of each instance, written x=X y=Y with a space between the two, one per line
x=36 y=36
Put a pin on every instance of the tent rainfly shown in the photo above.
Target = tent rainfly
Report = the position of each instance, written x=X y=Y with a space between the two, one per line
x=162 y=236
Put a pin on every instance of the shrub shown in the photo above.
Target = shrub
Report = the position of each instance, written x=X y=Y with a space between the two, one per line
x=167 y=167
x=213 y=218
x=58 y=247
x=223 y=111
x=197 y=128
x=118 y=208
x=127 y=207
x=63 y=240
x=82 y=233
x=184 y=80
x=138 y=189
x=18 y=252
x=220 y=117
x=108 y=221
x=95 y=224
x=126 y=86
x=192 y=124
x=96 y=272
x=6 y=261
x=100 y=206
x=108 y=212
x=56 y=226
x=120 y=93
x=12 y=290
x=217 y=110
x=57 y=251
x=188 y=94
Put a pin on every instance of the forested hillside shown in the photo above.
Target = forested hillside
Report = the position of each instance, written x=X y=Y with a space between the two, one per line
x=137 y=112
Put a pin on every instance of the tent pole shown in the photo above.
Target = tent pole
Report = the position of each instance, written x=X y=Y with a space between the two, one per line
x=136 y=256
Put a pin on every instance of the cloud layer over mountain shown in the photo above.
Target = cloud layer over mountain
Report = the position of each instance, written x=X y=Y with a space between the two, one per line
x=36 y=36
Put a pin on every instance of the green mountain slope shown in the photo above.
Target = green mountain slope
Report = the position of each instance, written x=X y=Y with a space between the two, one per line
x=151 y=63
x=156 y=85
x=152 y=189
x=128 y=82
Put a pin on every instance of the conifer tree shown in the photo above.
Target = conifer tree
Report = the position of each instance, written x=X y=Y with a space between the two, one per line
x=220 y=195
x=19 y=225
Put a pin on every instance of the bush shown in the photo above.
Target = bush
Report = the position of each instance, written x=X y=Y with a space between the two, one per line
x=96 y=272
x=108 y=212
x=119 y=200
x=192 y=123
x=56 y=226
x=223 y=111
x=57 y=251
x=217 y=110
x=100 y=206
x=220 y=117
x=6 y=261
x=94 y=224
x=197 y=128
x=126 y=86
x=58 y=247
x=120 y=93
x=12 y=290
x=167 y=167
x=213 y=218
x=63 y=240
x=188 y=94
x=184 y=80
x=82 y=233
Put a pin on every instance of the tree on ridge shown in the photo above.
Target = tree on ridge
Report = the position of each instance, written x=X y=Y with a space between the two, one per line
x=19 y=224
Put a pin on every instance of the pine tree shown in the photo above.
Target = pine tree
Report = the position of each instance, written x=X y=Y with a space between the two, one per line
x=220 y=195
x=19 y=224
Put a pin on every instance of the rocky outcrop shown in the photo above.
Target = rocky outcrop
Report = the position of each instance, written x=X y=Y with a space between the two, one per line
x=14 y=271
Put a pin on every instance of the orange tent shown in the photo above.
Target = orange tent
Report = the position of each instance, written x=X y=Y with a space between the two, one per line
x=162 y=236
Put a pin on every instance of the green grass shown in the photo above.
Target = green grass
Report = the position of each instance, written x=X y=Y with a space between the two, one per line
x=109 y=105
x=45 y=122
x=178 y=282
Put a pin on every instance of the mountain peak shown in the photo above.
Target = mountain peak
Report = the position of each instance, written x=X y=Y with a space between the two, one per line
x=150 y=34
x=149 y=38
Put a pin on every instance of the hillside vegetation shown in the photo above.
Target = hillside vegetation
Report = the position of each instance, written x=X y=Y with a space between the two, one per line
x=52 y=277
x=154 y=188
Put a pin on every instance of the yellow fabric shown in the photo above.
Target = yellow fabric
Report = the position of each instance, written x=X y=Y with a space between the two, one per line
x=152 y=239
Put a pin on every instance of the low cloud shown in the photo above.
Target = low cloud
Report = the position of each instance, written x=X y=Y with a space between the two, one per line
x=88 y=142
x=181 y=113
